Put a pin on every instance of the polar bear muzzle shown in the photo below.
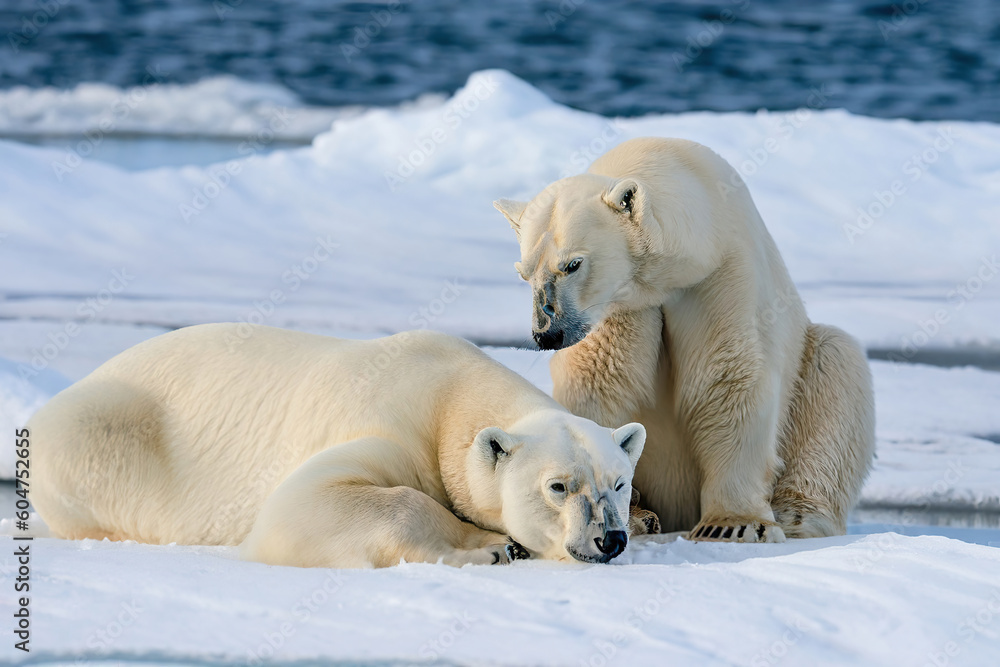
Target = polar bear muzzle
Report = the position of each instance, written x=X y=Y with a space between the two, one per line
x=556 y=323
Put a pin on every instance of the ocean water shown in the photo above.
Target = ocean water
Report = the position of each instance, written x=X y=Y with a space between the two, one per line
x=920 y=59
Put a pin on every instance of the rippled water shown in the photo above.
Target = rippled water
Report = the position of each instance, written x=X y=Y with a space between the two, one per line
x=915 y=58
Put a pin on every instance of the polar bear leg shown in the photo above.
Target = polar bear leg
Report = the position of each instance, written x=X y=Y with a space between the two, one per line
x=829 y=446
x=356 y=505
x=93 y=446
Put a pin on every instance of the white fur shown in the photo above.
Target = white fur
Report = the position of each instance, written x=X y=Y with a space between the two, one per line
x=315 y=451
x=680 y=313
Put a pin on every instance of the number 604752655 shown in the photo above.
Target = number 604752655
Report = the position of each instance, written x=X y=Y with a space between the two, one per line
x=21 y=467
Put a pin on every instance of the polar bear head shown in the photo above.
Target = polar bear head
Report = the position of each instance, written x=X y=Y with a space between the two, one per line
x=648 y=217
x=558 y=484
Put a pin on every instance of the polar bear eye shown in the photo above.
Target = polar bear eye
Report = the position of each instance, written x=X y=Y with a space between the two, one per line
x=621 y=485
x=574 y=265
x=558 y=487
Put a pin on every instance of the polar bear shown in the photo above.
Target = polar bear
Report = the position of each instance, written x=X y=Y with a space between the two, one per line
x=655 y=277
x=314 y=451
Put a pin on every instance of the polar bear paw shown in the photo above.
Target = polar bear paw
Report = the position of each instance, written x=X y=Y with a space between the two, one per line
x=736 y=529
x=642 y=522
x=515 y=551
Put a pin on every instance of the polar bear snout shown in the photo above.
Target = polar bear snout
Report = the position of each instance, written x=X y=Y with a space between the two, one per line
x=554 y=329
x=548 y=340
x=602 y=535
x=613 y=544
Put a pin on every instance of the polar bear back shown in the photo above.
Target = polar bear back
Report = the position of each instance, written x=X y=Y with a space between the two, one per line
x=208 y=419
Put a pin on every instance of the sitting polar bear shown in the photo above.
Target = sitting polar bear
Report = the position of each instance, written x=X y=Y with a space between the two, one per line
x=315 y=451
x=654 y=275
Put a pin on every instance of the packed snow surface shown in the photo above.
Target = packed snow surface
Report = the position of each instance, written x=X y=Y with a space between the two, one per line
x=872 y=600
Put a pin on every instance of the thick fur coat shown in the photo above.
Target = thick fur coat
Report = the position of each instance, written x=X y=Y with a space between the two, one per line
x=655 y=277
x=314 y=451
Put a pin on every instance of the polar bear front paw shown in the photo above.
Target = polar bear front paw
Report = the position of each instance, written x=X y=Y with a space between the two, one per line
x=515 y=552
x=736 y=529
x=494 y=554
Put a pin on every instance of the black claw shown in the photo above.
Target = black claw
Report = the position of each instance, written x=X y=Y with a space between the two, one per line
x=716 y=532
x=516 y=552
x=701 y=531
x=729 y=531
x=760 y=532
x=740 y=533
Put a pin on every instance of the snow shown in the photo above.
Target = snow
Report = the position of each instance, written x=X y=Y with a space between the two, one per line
x=882 y=599
x=222 y=106
x=20 y=397
x=213 y=243
x=384 y=223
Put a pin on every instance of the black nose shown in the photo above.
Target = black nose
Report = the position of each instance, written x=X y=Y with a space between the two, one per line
x=613 y=543
x=549 y=340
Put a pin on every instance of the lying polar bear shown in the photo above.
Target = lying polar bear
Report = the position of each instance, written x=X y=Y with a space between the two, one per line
x=655 y=277
x=299 y=447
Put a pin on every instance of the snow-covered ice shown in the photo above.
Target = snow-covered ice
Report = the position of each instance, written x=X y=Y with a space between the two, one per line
x=405 y=197
x=384 y=223
x=222 y=106
x=873 y=600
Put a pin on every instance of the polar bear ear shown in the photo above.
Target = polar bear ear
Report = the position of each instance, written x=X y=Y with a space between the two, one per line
x=493 y=443
x=512 y=210
x=621 y=196
x=627 y=197
x=631 y=438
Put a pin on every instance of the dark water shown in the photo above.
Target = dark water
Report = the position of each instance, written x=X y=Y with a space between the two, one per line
x=925 y=59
